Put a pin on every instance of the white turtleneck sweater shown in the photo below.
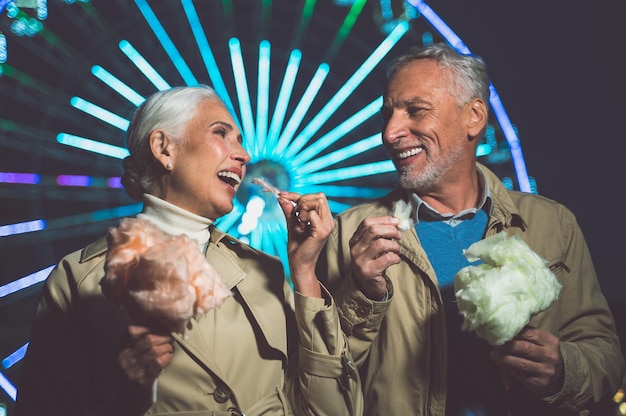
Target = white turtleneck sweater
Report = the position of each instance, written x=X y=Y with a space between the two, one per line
x=174 y=220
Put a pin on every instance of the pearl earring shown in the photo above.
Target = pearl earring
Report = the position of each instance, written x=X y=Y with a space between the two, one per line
x=168 y=166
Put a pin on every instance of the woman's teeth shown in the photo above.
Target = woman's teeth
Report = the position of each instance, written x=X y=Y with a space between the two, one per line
x=230 y=175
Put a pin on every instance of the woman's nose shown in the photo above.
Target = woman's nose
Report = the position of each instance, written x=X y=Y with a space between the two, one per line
x=240 y=154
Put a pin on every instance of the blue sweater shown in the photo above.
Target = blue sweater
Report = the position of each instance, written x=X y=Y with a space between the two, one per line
x=444 y=243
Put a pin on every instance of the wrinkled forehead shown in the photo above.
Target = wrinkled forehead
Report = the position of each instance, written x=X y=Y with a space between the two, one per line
x=418 y=80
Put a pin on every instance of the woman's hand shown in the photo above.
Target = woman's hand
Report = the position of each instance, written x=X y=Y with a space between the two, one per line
x=146 y=354
x=309 y=223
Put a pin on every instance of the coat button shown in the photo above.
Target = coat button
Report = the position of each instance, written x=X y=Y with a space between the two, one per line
x=221 y=394
x=362 y=311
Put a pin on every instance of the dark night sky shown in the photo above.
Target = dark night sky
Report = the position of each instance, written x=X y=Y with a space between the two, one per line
x=561 y=74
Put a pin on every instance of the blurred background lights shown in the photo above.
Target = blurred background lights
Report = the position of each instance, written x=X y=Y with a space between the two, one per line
x=3 y=48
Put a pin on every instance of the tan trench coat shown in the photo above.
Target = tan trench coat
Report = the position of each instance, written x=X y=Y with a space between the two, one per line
x=247 y=355
x=400 y=344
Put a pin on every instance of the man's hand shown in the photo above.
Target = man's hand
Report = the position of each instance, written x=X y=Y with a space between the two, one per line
x=374 y=247
x=534 y=358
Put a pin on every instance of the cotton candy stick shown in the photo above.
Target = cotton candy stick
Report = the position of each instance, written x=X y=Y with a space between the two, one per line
x=268 y=187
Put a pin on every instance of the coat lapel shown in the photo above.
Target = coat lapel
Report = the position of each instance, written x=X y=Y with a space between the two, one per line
x=265 y=309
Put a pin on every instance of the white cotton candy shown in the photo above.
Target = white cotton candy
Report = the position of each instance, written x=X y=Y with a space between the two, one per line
x=402 y=211
x=498 y=298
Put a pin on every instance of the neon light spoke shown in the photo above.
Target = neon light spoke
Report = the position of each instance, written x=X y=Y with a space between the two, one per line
x=100 y=113
x=511 y=137
x=239 y=70
x=346 y=27
x=92 y=145
x=369 y=169
x=342 y=154
x=207 y=54
x=305 y=20
x=142 y=65
x=337 y=207
x=63 y=180
x=344 y=191
x=25 y=282
x=282 y=102
x=22 y=227
x=262 y=96
x=8 y=387
x=338 y=132
x=302 y=108
x=15 y=357
x=116 y=85
x=227 y=222
x=24 y=178
x=166 y=42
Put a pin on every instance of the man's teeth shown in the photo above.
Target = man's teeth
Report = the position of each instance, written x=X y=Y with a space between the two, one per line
x=230 y=175
x=410 y=153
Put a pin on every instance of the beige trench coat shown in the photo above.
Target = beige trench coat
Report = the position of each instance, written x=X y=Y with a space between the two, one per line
x=400 y=345
x=248 y=354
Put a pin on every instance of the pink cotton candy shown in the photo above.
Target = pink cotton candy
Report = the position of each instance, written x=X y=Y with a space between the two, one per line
x=159 y=279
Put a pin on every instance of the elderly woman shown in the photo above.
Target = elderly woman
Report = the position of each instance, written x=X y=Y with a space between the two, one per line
x=265 y=351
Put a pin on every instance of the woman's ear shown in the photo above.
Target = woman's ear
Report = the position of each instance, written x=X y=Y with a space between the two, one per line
x=477 y=120
x=161 y=146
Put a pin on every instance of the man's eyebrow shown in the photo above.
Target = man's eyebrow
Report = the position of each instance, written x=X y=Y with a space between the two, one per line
x=406 y=103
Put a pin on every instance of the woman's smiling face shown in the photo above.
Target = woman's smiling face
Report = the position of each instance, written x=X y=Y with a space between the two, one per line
x=207 y=164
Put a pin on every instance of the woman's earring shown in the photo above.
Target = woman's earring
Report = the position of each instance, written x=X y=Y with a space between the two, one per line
x=168 y=166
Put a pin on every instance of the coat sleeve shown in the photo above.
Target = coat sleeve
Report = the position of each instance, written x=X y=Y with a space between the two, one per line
x=594 y=365
x=360 y=316
x=323 y=380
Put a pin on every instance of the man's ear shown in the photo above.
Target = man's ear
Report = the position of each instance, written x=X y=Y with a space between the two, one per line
x=477 y=118
x=161 y=145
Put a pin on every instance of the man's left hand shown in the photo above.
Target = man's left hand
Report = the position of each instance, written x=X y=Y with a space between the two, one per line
x=534 y=358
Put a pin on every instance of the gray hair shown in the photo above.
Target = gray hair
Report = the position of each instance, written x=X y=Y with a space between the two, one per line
x=169 y=110
x=468 y=72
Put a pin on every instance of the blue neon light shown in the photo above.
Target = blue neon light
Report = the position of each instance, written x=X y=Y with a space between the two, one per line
x=100 y=113
x=207 y=54
x=24 y=178
x=117 y=85
x=8 y=387
x=22 y=227
x=15 y=357
x=284 y=96
x=166 y=42
x=263 y=96
x=92 y=145
x=25 y=282
x=338 y=132
x=301 y=109
x=342 y=154
x=143 y=66
x=241 y=84
x=368 y=169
